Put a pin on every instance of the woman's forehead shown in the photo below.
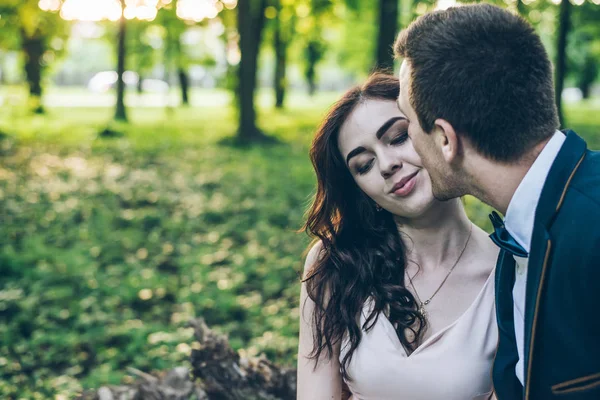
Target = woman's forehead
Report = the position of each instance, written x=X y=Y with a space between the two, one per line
x=364 y=121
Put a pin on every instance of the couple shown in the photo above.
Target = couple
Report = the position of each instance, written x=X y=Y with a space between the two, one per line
x=403 y=297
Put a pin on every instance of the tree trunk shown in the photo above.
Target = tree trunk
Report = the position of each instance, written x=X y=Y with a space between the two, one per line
x=585 y=90
x=388 y=26
x=250 y=21
x=140 y=84
x=561 y=54
x=184 y=83
x=587 y=75
x=120 y=112
x=34 y=48
x=184 y=80
x=280 y=40
x=313 y=55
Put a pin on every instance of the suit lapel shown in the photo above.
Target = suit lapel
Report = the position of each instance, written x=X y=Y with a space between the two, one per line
x=505 y=280
x=562 y=171
x=506 y=353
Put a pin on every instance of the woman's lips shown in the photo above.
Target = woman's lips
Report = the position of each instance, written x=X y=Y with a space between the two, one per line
x=407 y=187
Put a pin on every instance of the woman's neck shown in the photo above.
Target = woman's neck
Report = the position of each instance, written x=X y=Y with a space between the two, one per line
x=436 y=238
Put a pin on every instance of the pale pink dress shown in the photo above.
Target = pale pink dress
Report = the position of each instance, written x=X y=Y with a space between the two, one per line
x=453 y=364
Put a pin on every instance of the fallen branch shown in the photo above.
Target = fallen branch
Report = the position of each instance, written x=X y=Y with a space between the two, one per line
x=219 y=374
x=225 y=375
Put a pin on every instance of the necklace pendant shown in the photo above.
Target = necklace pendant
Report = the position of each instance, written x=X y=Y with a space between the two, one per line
x=422 y=310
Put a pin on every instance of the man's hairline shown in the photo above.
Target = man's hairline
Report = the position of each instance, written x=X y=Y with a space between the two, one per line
x=410 y=91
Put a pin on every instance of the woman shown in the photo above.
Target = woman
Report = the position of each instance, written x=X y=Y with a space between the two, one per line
x=398 y=293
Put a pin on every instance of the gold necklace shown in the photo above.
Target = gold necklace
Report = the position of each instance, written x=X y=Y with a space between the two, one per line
x=422 y=305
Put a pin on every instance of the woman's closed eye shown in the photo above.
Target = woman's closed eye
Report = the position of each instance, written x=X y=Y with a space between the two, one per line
x=399 y=138
x=362 y=169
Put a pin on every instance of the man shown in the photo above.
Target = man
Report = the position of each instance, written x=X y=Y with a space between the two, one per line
x=476 y=85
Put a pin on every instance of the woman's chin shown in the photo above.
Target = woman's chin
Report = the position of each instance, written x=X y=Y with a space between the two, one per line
x=417 y=206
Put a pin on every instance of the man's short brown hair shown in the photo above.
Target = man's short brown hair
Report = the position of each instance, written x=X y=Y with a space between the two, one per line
x=484 y=70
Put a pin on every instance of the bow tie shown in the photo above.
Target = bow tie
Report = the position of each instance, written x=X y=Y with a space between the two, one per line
x=503 y=239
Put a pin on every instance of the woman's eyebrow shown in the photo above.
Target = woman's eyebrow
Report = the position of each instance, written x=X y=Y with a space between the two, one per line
x=384 y=128
x=380 y=132
x=353 y=153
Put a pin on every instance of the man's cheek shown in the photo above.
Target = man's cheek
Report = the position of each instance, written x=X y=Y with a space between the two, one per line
x=413 y=133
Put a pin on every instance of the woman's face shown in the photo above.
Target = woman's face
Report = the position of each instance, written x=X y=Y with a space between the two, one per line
x=374 y=143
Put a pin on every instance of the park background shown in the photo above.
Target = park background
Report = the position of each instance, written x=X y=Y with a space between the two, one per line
x=154 y=168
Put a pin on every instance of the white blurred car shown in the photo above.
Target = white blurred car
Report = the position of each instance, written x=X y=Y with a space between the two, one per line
x=106 y=80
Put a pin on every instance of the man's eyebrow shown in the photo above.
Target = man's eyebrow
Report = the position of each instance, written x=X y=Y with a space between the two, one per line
x=354 y=153
x=384 y=128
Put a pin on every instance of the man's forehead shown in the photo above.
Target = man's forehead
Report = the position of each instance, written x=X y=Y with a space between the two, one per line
x=403 y=68
x=404 y=83
x=404 y=74
x=402 y=94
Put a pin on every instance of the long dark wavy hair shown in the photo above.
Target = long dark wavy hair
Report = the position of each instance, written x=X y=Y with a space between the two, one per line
x=362 y=254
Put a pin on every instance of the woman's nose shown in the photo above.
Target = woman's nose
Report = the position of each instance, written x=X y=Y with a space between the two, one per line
x=389 y=165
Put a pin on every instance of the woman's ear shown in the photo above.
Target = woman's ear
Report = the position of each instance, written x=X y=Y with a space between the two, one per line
x=447 y=140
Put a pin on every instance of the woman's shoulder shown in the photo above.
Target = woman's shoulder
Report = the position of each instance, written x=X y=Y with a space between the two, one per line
x=485 y=249
x=483 y=256
x=313 y=255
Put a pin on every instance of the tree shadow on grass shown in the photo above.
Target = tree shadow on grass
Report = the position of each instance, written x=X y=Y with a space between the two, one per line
x=110 y=133
x=258 y=138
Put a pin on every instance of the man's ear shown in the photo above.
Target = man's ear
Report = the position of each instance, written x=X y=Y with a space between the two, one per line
x=447 y=140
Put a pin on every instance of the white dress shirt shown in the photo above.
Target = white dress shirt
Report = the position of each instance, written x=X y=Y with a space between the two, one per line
x=519 y=221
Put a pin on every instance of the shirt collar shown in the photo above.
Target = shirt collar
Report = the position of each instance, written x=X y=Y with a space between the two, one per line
x=520 y=214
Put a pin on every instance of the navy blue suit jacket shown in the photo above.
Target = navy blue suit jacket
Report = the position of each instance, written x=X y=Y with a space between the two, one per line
x=562 y=303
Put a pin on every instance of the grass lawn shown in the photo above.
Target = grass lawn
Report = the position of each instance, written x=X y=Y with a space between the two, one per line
x=108 y=246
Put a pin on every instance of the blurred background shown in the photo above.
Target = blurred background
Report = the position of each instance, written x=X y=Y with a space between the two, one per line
x=154 y=168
